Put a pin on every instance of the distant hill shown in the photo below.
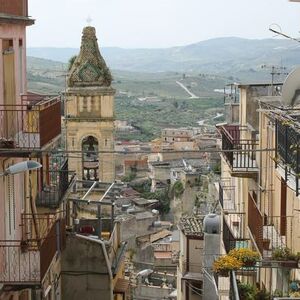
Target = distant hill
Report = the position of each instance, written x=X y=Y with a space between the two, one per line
x=234 y=56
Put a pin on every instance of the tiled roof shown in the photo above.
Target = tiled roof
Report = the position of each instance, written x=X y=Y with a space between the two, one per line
x=192 y=226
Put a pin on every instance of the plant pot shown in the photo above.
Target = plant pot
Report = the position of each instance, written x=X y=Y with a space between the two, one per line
x=292 y=264
x=223 y=273
x=249 y=263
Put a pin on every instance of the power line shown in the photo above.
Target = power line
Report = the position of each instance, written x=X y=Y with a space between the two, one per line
x=209 y=150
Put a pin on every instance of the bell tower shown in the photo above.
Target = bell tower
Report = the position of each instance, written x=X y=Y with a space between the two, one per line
x=89 y=113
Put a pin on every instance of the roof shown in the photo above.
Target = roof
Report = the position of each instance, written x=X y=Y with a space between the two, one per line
x=191 y=226
x=89 y=68
x=143 y=201
x=5 y=18
x=246 y=84
x=144 y=215
x=129 y=191
x=178 y=163
x=162 y=254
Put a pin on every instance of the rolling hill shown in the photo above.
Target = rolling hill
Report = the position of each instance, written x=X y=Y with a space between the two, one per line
x=235 y=56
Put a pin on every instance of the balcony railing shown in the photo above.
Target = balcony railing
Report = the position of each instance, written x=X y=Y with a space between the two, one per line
x=26 y=262
x=14 y=7
x=32 y=124
x=55 y=186
x=226 y=194
x=241 y=152
x=187 y=266
x=268 y=232
x=234 y=231
x=288 y=148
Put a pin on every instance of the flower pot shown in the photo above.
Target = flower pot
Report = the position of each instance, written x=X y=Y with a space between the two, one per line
x=223 y=273
x=249 y=263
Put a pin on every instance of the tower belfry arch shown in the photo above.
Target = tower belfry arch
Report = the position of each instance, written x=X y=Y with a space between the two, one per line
x=89 y=113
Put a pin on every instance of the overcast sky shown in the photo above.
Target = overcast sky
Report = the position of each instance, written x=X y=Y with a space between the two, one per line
x=157 y=23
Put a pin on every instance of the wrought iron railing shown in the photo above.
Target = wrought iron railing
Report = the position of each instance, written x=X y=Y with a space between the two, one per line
x=234 y=231
x=55 y=186
x=26 y=261
x=241 y=152
x=32 y=124
x=268 y=232
x=288 y=148
x=191 y=266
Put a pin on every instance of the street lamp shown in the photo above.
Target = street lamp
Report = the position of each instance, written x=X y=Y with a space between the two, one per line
x=23 y=167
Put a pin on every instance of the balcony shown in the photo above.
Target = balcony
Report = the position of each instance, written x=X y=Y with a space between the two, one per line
x=226 y=195
x=234 y=231
x=30 y=125
x=268 y=232
x=191 y=270
x=56 y=184
x=26 y=262
x=239 y=152
x=288 y=149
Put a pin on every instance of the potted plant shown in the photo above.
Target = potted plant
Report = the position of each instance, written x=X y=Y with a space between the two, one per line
x=285 y=256
x=262 y=295
x=226 y=263
x=246 y=291
x=247 y=256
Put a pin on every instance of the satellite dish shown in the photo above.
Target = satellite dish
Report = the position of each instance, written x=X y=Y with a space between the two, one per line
x=291 y=87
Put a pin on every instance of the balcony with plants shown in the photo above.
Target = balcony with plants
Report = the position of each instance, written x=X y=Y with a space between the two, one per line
x=270 y=235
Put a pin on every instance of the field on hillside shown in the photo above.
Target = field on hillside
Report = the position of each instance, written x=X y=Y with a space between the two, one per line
x=148 y=101
x=150 y=118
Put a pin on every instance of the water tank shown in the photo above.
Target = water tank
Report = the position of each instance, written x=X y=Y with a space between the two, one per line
x=212 y=224
x=155 y=212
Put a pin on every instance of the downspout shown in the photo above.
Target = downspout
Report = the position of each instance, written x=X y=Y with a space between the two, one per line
x=108 y=267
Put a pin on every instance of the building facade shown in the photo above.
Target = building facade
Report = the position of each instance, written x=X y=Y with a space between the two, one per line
x=259 y=188
x=32 y=226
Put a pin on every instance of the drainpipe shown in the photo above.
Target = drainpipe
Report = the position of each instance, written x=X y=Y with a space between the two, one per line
x=106 y=260
x=108 y=264
x=33 y=211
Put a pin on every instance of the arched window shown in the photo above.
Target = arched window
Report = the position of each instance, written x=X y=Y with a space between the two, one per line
x=90 y=158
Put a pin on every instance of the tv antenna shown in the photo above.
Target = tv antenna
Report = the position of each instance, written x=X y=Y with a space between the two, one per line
x=275 y=71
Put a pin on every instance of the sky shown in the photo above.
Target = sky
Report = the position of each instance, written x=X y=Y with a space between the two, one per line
x=157 y=23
